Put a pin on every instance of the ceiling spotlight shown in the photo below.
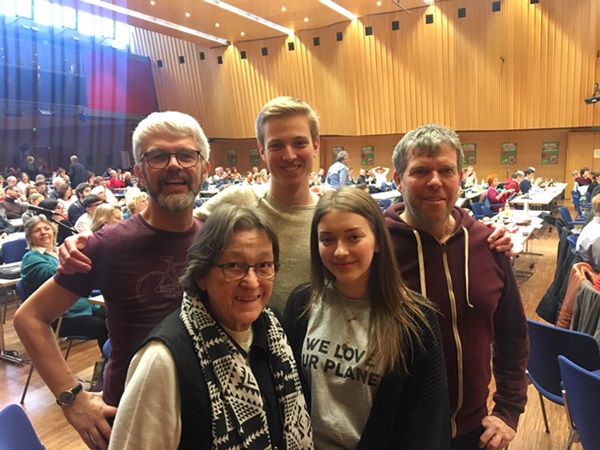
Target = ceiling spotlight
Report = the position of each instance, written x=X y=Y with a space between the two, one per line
x=148 y=18
x=217 y=25
x=379 y=3
x=152 y=2
x=251 y=16
x=429 y=2
x=187 y=14
x=283 y=8
x=243 y=34
x=306 y=19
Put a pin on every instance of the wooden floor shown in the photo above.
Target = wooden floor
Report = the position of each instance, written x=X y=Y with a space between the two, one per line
x=56 y=434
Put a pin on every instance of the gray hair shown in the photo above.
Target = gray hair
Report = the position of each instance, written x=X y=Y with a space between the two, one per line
x=286 y=107
x=426 y=140
x=173 y=123
x=341 y=155
x=32 y=223
x=518 y=173
x=214 y=237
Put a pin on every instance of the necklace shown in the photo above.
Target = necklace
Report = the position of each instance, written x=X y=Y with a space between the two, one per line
x=353 y=311
x=352 y=320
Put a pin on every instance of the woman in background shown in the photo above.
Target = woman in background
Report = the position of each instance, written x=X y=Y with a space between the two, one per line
x=23 y=184
x=368 y=349
x=106 y=215
x=136 y=201
x=39 y=264
x=34 y=199
x=59 y=214
x=497 y=199
x=65 y=193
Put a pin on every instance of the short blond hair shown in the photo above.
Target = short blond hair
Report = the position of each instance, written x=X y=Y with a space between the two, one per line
x=286 y=107
x=133 y=197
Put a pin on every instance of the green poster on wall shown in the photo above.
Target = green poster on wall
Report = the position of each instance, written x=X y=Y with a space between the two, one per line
x=334 y=152
x=508 y=153
x=549 y=152
x=367 y=155
x=470 y=154
x=232 y=157
x=254 y=157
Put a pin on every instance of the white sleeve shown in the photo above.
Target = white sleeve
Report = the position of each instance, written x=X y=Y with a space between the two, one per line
x=149 y=414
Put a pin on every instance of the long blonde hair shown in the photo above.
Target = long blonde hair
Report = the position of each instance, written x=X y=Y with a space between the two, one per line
x=397 y=313
x=103 y=214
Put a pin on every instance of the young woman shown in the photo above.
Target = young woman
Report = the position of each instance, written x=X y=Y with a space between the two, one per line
x=368 y=349
x=106 y=215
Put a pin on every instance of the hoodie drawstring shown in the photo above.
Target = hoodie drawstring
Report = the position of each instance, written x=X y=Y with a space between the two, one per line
x=421 y=259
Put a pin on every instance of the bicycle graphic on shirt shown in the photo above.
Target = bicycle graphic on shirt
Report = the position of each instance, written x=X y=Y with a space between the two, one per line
x=157 y=289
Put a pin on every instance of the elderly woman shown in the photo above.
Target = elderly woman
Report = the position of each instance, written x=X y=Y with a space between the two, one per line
x=218 y=373
x=39 y=264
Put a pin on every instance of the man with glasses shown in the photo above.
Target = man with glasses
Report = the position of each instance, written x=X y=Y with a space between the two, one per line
x=136 y=265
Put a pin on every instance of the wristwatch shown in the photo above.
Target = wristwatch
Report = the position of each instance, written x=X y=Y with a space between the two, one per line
x=67 y=397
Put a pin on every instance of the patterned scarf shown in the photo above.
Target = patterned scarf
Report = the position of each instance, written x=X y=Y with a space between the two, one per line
x=238 y=416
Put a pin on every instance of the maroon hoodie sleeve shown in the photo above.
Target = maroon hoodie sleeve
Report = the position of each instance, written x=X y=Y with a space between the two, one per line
x=510 y=353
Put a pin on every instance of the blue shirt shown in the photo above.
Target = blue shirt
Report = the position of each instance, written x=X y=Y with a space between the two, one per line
x=337 y=175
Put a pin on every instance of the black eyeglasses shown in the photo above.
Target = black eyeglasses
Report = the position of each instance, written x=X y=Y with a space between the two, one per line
x=159 y=159
x=238 y=270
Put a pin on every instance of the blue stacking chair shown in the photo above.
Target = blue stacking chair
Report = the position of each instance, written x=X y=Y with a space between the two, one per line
x=478 y=212
x=16 y=431
x=566 y=216
x=13 y=251
x=572 y=238
x=547 y=343
x=576 y=198
x=581 y=393
x=384 y=203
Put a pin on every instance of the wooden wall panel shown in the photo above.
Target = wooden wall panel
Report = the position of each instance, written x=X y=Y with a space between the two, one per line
x=529 y=147
x=525 y=67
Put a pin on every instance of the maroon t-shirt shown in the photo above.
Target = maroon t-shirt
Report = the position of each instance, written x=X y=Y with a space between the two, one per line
x=136 y=267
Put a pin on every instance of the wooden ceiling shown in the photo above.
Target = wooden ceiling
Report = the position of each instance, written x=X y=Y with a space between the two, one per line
x=203 y=16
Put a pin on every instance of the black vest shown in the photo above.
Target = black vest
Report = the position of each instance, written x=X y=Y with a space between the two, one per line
x=195 y=403
x=196 y=421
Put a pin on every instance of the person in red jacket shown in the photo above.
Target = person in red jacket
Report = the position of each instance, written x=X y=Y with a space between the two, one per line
x=514 y=183
x=115 y=182
x=444 y=254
